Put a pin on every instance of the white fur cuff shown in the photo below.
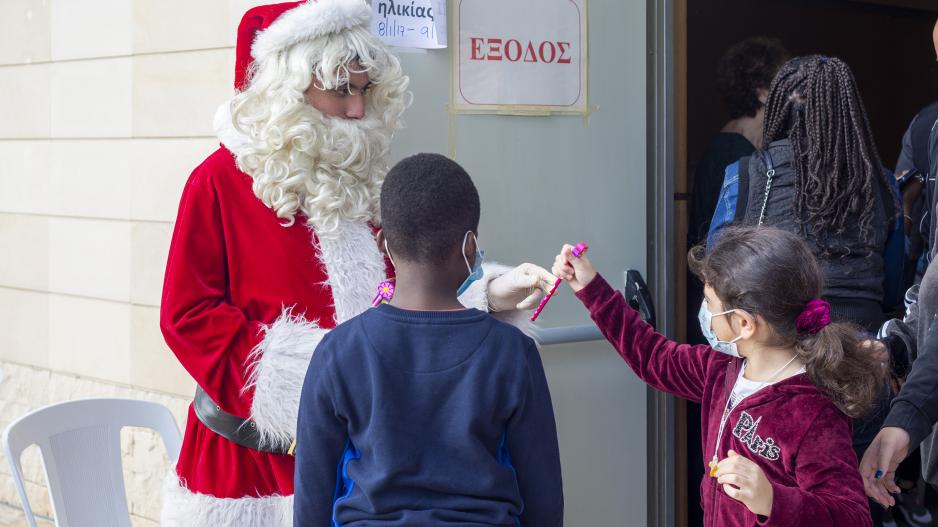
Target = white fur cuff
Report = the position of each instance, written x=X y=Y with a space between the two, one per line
x=476 y=296
x=184 y=508
x=276 y=370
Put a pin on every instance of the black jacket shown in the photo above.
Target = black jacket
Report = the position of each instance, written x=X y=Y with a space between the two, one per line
x=916 y=408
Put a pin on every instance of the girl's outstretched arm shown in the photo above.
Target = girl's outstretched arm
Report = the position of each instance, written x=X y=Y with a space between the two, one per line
x=679 y=369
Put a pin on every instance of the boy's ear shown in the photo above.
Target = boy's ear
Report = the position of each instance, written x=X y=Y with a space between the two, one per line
x=383 y=245
x=470 y=249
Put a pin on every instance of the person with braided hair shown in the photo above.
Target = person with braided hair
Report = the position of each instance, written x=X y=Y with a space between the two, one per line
x=818 y=174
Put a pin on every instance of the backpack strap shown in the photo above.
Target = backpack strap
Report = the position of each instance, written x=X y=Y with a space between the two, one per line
x=742 y=196
x=892 y=200
x=769 y=176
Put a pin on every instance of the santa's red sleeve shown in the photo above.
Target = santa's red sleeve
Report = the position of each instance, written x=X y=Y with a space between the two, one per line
x=210 y=337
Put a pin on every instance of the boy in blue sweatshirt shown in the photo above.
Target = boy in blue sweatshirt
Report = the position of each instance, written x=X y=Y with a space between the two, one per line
x=422 y=412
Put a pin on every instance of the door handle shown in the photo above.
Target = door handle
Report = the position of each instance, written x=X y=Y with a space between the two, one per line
x=638 y=296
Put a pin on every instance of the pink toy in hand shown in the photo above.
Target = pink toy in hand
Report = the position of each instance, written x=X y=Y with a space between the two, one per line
x=577 y=251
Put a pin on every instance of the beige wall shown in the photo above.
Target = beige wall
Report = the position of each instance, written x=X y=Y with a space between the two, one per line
x=105 y=108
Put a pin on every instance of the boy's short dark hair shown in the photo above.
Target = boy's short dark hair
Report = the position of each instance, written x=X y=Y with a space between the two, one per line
x=745 y=68
x=428 y=203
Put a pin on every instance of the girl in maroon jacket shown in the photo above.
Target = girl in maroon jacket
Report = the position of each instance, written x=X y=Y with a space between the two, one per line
x=777 y=385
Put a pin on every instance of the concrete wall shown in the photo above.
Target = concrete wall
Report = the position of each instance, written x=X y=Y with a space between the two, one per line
x=105 y=108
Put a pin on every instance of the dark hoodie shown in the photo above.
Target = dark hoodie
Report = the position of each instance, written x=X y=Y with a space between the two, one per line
x=790 y=429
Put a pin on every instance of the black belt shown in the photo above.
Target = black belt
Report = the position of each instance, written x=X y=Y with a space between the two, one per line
x=233 y=428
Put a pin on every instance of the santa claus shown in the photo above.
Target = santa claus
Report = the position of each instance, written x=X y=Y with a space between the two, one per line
x=274 y=245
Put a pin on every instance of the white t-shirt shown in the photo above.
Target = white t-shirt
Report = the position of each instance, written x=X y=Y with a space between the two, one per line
x=745 y=387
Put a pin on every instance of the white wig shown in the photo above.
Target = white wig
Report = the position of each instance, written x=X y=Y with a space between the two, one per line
x=327 y=168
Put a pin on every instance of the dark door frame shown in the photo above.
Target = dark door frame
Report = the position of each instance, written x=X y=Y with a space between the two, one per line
x=662 y=117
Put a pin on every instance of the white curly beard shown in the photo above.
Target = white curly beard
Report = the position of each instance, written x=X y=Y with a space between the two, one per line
x=327 y=168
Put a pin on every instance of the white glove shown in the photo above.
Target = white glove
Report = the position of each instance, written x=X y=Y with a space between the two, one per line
x=521 y=288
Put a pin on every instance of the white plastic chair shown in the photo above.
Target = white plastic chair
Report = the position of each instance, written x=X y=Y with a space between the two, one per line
x=80 y=446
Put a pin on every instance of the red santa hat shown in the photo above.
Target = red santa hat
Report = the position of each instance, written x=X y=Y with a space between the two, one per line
x=267 y=29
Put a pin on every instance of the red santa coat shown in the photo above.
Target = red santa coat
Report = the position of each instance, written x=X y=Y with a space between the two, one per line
x=245 y=302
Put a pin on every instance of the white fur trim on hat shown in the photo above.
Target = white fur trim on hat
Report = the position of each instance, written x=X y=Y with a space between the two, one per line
x=276 y=372
x=184 y=508
x=309 y=21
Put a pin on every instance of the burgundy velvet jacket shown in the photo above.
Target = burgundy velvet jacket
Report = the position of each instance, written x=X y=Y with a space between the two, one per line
x=790 y=429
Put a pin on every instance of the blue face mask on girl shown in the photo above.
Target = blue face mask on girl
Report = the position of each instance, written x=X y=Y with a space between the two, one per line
x=475 y=271
x=706 y=325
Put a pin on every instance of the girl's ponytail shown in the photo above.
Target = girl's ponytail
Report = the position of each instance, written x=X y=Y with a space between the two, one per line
x=838 y=363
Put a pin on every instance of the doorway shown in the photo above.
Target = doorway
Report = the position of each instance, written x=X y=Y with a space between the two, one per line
x=887 y=45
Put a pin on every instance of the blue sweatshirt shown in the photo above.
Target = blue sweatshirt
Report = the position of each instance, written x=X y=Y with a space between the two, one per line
x=426 y=418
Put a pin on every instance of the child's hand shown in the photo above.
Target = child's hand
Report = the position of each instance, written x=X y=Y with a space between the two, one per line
x=578 y=272
x=744 y=481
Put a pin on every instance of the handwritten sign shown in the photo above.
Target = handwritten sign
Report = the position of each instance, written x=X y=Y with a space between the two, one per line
x=521 y=56
x=410 y=23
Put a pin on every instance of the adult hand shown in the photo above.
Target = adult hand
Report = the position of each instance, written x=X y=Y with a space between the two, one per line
x=520 y=288
x=878 y=466
x=745 y=482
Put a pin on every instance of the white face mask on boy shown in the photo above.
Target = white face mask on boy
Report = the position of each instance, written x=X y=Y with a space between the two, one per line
x=706 y=325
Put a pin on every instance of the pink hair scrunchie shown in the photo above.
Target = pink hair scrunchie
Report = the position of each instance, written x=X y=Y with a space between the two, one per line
x=815 y=317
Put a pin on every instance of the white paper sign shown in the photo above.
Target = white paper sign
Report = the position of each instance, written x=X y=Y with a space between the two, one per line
x=521 y=55
x=410 y=23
